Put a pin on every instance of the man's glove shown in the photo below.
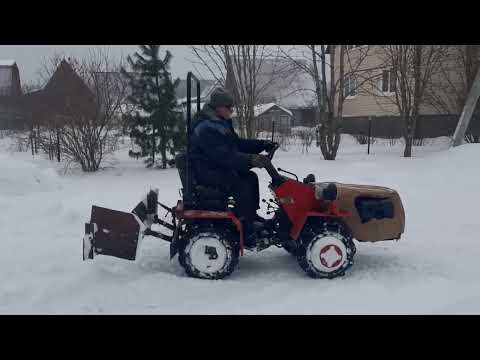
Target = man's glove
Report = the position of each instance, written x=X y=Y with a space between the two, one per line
x=269 y=145
x=260 y=161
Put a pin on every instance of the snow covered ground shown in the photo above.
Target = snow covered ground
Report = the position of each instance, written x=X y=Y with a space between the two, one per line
x=433 y=269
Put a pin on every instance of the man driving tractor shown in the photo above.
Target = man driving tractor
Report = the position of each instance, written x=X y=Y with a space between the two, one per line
x=221 y=159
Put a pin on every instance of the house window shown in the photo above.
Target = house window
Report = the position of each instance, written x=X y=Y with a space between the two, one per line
x=388 y=81
x=350 y=87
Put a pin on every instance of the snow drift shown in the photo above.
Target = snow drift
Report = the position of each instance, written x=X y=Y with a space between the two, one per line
x=431 y=270
x=20 y=177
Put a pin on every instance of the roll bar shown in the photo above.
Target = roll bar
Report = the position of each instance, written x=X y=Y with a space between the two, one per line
x=190 y=76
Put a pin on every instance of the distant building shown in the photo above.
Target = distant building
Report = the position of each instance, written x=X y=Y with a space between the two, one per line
x=284 y=83
x=267 y=114
x=10 y=91
x=64 y=95
x=374 y=98
x=9 y=79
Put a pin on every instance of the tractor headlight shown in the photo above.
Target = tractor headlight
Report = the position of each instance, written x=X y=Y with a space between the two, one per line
x=326 y=191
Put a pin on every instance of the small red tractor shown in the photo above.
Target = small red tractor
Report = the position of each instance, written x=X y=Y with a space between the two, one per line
x=315 y=222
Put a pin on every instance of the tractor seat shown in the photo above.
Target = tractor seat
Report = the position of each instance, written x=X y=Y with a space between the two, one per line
x=209 y=193
x=207 y=198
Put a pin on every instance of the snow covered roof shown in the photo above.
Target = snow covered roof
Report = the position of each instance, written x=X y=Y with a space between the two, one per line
x=183 y=101
x=7 y=62
x=263 y=108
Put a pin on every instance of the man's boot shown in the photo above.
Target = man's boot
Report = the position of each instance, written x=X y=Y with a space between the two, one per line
x=248 y=231
x=259 y=219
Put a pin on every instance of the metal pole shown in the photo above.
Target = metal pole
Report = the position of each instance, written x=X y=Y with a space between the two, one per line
x=50 y=147
x=273 y=128
x=31 y=143
x=37 y=136
x=58 y=144
x=189 y=120
x=189 y=114
x=369 y=133
x=198 y=97
x=467 y=112
x=153 y=143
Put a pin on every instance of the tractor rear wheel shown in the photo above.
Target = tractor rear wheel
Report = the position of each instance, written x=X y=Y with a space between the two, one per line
x=326 y=250
x=209 y=252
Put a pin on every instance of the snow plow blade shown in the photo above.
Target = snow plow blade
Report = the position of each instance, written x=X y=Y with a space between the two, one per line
x=119 y=234
x=113 y=233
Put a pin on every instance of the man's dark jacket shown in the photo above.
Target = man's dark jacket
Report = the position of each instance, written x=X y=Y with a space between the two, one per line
x=219 y=156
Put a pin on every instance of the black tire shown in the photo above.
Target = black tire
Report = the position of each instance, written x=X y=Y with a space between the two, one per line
x=326 y=238
x=227 y=251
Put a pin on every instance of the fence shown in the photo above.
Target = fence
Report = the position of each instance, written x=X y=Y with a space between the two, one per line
x=387 y=127
x=10 y=120
x=391 y=127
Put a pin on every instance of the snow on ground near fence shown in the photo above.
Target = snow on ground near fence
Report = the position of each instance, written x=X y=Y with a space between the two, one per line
x=432 y=269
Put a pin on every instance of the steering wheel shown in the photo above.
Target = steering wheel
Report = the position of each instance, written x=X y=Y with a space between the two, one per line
x=277 y=179
x=272 y=152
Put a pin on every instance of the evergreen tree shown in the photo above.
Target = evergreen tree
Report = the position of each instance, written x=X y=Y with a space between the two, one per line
x=156 y=126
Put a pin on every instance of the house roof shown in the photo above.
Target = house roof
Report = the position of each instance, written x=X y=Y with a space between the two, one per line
x=7 y=62
x=257 y=110
x=9 y=78
x=183 y=101
x=64 y=93
x=263 y=108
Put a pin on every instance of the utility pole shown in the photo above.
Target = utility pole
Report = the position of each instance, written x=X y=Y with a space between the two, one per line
x=369 y=133
x=467 y=112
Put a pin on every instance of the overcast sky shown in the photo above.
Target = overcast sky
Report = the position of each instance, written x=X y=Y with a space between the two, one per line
x=29 y=57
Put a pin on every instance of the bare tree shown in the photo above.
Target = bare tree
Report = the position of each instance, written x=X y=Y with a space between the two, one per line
x=349 y=68
x=305 y=137
x=85 y=125
x=88 y=138
x=411 y=69
x=240 y=69
x=448 y=92
x=39 y=115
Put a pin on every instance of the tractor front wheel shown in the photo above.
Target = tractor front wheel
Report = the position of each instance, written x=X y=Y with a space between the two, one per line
x=326 y=250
